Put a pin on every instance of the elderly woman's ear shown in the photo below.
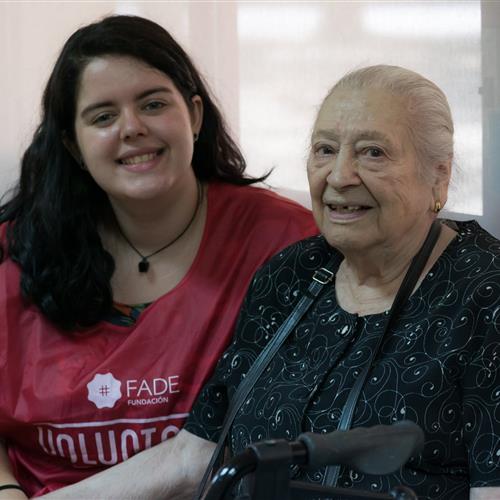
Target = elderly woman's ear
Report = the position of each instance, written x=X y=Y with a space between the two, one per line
x=440 y=186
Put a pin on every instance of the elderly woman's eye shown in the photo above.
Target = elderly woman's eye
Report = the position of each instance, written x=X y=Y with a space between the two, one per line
x=324 y=150
x=374 y=152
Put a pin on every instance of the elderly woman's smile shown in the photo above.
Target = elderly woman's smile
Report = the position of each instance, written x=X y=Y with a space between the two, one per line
x=343 y=212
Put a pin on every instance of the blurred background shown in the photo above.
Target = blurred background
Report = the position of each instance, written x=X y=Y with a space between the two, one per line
x=270 y=64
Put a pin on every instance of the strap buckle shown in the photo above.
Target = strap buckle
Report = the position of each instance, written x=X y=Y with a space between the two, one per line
x=323 y=276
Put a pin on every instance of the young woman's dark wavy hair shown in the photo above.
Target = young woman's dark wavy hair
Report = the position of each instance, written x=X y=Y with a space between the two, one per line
x=56 y=207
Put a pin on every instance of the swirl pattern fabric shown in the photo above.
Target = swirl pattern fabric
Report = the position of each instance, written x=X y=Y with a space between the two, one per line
x=438 y=367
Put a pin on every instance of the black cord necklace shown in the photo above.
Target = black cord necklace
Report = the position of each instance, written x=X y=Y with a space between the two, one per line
x=143 y=265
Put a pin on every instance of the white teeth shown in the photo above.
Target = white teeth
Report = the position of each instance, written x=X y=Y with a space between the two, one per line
x=352 y=208
x=138 y=159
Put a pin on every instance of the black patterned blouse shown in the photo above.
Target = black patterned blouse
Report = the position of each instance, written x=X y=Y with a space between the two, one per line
x=438 y=367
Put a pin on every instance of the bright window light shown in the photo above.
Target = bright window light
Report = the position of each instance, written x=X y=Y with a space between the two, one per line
x=276 y=22
x=423 y=21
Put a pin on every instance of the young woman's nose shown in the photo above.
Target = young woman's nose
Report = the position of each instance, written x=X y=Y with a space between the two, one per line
x=131 y=124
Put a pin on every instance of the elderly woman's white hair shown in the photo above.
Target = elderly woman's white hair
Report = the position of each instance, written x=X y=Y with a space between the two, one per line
x=429 y=116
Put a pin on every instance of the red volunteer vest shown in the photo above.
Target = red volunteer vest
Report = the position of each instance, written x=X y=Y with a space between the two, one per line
x=71 y=406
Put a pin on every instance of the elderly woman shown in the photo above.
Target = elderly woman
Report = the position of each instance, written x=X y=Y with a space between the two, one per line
x=379 y=168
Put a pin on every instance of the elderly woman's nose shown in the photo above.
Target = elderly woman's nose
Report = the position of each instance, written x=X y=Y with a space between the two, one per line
x=131 y=124
x=344 y=171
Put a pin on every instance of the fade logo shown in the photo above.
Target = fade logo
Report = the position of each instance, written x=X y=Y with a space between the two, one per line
x=104 y=390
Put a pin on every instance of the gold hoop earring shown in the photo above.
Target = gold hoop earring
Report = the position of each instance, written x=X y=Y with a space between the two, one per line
x=437 y=206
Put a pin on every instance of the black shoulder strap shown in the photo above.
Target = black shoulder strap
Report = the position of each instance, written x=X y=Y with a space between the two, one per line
x=410 y=280
x=320 y=278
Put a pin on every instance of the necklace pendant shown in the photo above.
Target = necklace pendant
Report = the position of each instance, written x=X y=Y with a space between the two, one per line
x=143 y=265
